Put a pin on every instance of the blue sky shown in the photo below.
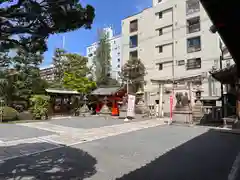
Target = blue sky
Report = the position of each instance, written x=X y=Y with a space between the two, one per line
x=108 y=12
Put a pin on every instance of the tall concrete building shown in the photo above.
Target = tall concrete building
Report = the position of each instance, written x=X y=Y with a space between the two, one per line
x=47 y=73
x=115 y=45
x=173 y=40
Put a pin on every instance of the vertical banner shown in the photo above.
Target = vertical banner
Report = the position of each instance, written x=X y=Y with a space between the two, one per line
x=171 y=109
x=131 y=106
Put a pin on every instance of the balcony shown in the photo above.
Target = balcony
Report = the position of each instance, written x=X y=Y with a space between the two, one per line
x=133 y=55
x=193 y=64
x=133 y=41
x=133 y=26
x=193 y=49
x=193 y=25
x=194 y=44
x=192 y=6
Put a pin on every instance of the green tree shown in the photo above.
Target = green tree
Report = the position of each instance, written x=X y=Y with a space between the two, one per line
x=76 y=76
x=7 y=86
x=133 y=71
x=102 y=64
x=59 y=63
x=21 y=78
x=28 y=23
x=28 y=80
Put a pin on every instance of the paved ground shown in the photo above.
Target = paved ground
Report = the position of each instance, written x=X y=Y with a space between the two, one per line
x=88 y=122
x=10 y=132
x=126 y=151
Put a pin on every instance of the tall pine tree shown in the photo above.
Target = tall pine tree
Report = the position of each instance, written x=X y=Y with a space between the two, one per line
x=59 y=63
x=102 y=62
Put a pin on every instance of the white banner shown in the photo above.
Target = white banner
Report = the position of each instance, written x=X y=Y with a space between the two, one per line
x=131 y=106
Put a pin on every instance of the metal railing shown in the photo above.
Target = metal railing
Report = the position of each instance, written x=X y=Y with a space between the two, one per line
x=193 y=28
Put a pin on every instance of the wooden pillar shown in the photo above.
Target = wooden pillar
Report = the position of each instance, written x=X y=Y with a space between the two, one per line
x=238 y=100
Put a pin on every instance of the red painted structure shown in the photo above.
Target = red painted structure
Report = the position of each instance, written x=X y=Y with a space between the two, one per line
x=114 y=96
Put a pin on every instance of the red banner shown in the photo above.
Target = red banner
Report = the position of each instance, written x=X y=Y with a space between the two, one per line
x=171 y=107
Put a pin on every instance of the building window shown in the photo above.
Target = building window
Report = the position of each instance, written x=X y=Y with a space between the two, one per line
x=160 y=66
x=193 y=25
x=194 y=44
x=133 y=41
x=159 y=1
x=90 y=55
x=118 y=65
x=119 y=53
x=160 y=49
x=118 y=60
x=192 y=6
x=160 y=31
x=194 y=63
x=133 y=55
x=134 y=26
x=180 y=62
x=159 y=15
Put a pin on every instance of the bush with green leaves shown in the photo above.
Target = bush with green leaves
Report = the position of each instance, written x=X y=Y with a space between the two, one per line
x=25 y=115
x=8 y=113
x=39 y=106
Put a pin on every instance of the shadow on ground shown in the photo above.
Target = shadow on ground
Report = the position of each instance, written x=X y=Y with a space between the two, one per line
x=62 y=163
x=209 y=156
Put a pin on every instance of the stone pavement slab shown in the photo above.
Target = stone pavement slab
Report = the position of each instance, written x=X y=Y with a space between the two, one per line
x=9 y=132
x=69 y=136
x=48 y=126
x=87 y=122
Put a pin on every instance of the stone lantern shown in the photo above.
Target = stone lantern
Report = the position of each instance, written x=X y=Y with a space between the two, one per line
x=197 y=108
x=84 y=110
x=123 y=108
x=105 y=110
x=141 y=107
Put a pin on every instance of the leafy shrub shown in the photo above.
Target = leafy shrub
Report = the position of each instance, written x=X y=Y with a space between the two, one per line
x=8 y=113
x=25 y=115
x=39 y=106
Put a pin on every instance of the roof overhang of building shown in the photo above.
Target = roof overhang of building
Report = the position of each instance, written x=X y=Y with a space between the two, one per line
x=227 y=75
x=108 y=91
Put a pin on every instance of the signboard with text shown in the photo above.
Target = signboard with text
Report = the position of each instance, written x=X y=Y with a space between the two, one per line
x=131 y=106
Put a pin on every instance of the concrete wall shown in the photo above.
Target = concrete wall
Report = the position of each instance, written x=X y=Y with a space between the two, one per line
x=174 y=44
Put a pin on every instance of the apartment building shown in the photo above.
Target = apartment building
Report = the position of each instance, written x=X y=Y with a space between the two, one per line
x=47 y=73
x=115 y=43
x=173 y=40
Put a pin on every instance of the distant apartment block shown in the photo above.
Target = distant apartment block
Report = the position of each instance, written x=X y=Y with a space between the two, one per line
x=173 y=40
x=115 y=43
x=47 y=73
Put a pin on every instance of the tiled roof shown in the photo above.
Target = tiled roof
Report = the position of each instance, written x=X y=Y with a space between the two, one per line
x=105 y=91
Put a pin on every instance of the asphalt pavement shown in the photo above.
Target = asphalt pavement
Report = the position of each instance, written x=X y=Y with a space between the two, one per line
x=162 y=152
